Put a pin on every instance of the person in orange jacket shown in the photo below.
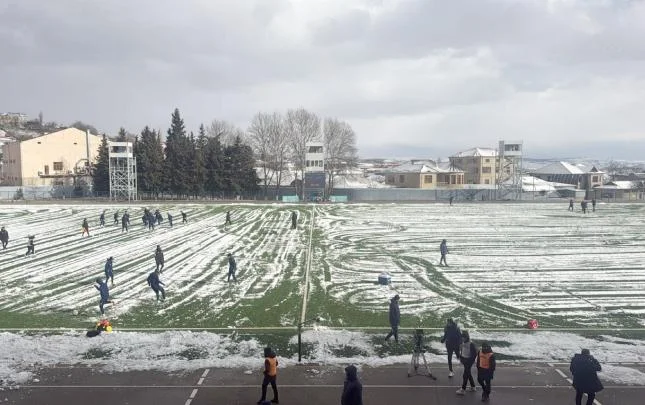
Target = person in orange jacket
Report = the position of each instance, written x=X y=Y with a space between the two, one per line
x=485 y=369
x=270 y=374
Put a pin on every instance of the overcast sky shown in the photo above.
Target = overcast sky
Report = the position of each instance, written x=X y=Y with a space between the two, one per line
x=415 y=78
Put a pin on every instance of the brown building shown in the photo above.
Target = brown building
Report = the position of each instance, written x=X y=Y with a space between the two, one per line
x=420 y=175
x=478 y=165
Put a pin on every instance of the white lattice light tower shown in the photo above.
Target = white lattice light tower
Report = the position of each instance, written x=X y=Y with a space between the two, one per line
x=123 y=171
x=509 y=170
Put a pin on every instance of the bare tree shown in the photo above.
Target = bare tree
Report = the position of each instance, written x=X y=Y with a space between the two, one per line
x=301 y=127
x=340 y=149
x=226 y=131
x=271 y=146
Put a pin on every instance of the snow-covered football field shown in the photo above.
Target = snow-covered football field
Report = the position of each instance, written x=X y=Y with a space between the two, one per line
x=508 y=262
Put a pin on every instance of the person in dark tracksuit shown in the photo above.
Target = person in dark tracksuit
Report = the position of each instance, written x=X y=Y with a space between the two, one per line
x=151 y=221
x=156 y=285
x=467 y=355
x=105 y=294
x=584 y=368
x=4 y=237
x=232 y=268
x=109 y=271
x=170 y=220
x=159 y=259
x=485 y=369
x=86 y=228
x=102 y=219
x=124 y=223
x=116 y=217
x=228 y=219
x=443 y=248
x=294 y=220
x=452 y=339
x=158 y=217
x=183 y=217
x=352 y=387
x=593 y=205
x=270 y=375
x=571 y=204
x=30 y=245
x=395 y=319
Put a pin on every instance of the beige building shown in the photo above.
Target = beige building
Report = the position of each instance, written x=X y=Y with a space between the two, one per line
x=52 y=159
x=478 y=165
x=419 y=175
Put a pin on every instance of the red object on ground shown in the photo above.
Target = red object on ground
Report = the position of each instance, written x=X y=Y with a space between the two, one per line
x=532 y=324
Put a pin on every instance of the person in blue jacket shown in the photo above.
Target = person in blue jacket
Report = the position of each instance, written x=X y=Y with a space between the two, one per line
x=105 y=294
x=156 y=285
x=109 y=274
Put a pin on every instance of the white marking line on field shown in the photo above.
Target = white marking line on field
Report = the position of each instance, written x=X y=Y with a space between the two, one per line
x=563 y=375
x=188 y=401
x=206 y=372
x=308 y=266
x=193 y=394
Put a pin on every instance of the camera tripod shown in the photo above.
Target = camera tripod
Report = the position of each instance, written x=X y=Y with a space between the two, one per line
x=415 y=364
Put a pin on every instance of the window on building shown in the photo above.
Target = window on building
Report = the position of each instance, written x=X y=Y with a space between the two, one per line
x=390 y=179
x=486 y=181
x=58 y=166
x=427 y=178
x=486 y=169
x=487 y=160
x=594 y=179
x=401 y=178
x=46 y=169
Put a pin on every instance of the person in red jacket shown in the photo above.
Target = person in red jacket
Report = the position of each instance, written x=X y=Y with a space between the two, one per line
x=270 y=374
x=485 y=369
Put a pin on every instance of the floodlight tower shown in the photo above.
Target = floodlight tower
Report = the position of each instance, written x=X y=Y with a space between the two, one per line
x=123 y=171
x=509 y=170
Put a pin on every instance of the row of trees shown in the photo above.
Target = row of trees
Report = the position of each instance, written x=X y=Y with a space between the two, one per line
x=221 y=160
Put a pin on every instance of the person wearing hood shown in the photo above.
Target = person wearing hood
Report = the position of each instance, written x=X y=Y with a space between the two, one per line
x=352 y=388
x=467 y=354
x=105 y=294
x=109 y=273
x=4 y=237
x=270 y=375
x=395 y=319
x=452 y=339
x=584 y=368
x=485 y=369
x=159 y=259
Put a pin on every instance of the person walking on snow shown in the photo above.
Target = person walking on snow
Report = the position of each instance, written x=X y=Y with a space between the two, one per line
x=109 y=273
x=270 y=375
x=232 y=268
x=105 y=294
x=170 y=220
x=571 y=204
x=124 y=223
x=116 y=217
x=86 y=228
x=443 y=248
x=30 y=245
x=593 y=204
x=159 y=260
x=485 y=369
x=156 y=285
x=467 y=354
x=228 y=219
x=395 y=319
x=4 y=237
x=184 y=217
x=352 y=388
x=584 y=369
x=102 y=219
x=452 y=339
x=294 y=220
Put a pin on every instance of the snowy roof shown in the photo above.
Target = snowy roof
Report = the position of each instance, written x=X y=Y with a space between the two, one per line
x=622 y=185
x=420 y=168
x=560 y=168
x=477 y=152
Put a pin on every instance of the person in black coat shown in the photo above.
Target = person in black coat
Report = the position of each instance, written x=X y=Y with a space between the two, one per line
x=352 y=388
x=30 y=245
x=102 y=219
x=232 y=267
x=395 y=319
x=4 y=237
x=228 y=219
x=184 y=217
x=159 y=259
x=170 y=220
x=294 y=220
x=116 y=217
x=584 y=369
x=452 y=339
x=124 y=223
x=86 y=228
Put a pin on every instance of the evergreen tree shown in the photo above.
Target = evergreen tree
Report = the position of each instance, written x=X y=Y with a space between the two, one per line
x=240 y=177
x=100 y=171
x=123 y=135
x=177 y=163
x=213 y=164
x=198 y=170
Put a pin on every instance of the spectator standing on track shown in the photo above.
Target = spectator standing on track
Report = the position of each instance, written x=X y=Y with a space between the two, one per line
x=584 y=368
x=352 y=388
x=452 y=339
x=102 y=219
x=4 y=237
x=30 y=245
x=156 y=285
x=109 y=271
x=467 y=354
x=443 y=248
x=159 y=259
x=105 y=294
x=485 y=369
x=232 y=267
x=294 y=220
x=86 y=228
x=184 y=217
x=395 y=319
x=270 y=375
